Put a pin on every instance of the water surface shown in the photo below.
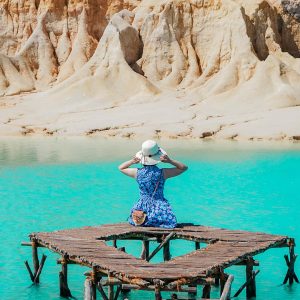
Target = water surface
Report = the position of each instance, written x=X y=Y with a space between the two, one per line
x=50 y=184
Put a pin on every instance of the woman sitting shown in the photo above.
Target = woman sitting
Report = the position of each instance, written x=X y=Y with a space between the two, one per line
x=152 y=209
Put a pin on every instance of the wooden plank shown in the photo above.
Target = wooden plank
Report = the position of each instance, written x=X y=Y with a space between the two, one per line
x=165 y=288
x=84 y=246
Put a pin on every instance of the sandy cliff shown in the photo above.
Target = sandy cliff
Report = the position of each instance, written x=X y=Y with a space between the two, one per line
x=176 y=68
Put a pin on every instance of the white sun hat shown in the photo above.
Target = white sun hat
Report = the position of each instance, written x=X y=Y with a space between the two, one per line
x=150 y=153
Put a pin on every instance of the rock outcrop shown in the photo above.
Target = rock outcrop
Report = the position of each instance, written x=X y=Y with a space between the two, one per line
x=176 y=68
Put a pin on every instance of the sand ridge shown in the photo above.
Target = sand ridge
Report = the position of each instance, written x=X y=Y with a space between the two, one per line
x=179 y=69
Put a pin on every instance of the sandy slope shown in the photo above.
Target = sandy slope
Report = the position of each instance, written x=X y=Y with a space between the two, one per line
x=177 y=68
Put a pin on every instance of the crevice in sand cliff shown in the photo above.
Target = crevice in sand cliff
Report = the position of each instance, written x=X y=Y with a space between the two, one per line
x=197 y=58
x=73 y=28
x=267 y=29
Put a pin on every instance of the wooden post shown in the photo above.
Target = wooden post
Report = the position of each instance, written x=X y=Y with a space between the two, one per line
x=38 y=267
x=115 y=244
x=100 y=289
x=110 y=287
x=251 y=287
x=192 y=295
x=145 y=250
x=29 y=271
x=89 y=289
x=165 y=241
x=245 y=284
x=206 y=291
x=167 y=254
x=117 y=292
x=290 y=262
x=197 y=245
x=35 y=260
x=227 y=288
x=157 y=292
x=63 y=278
x=222 y=279
x=39 y=271
x=111 y=292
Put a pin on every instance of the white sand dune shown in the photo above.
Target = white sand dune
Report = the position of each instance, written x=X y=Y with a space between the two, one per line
x=217 y=69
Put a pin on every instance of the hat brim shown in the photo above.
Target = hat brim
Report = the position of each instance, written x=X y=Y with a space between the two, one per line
x=150 y=161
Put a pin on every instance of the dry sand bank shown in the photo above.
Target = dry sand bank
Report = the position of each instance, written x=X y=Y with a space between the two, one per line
x=166 y=69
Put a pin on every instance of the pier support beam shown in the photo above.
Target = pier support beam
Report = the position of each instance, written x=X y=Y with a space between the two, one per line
x=145 y=250
x=89 y=289
x=35 y=260
x=110 y=292
x=206 y=291
x=163 y=243
x=63 y=279
x=246 y=283
x=157 y=292
x=250 y=278
x=110 y=288
x=192 y=295
x=227 y=289
x=37 y=265
x=166 y=251
x=222 y=280
x=100 y=289
x=290 y=262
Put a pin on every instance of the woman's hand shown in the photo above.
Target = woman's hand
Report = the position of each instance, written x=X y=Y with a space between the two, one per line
x=125 y=167
x=128 y=163
x=172 y=172
x=135 y=160
x=165 y=158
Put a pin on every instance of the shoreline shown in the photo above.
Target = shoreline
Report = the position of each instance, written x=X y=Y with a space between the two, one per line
x=141 y=138
x=52 y=150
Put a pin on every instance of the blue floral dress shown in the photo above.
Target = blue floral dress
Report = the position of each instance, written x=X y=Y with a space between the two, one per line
x=158 y=210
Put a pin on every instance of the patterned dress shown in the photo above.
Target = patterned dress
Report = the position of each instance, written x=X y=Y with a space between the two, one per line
x=158 y=210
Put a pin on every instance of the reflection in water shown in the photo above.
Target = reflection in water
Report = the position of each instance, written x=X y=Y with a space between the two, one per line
x=28 y=150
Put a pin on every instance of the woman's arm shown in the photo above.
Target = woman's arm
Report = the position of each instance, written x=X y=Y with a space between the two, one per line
x=172 y=172
x=125 y=167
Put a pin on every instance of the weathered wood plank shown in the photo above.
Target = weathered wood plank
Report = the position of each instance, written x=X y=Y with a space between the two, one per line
x=86 y=246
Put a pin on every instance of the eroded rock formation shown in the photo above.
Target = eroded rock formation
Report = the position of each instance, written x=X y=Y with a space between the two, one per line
x=205 y=68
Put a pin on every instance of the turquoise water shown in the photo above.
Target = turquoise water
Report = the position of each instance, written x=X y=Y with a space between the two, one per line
x=49 y=184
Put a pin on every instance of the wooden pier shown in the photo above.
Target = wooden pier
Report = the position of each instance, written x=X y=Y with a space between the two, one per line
x=114 y=271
